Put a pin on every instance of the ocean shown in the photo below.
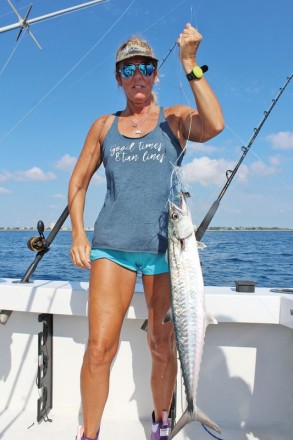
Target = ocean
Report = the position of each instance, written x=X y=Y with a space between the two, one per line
x=265 y=257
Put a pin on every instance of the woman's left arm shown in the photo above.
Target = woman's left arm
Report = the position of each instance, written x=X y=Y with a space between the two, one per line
x=207 y=120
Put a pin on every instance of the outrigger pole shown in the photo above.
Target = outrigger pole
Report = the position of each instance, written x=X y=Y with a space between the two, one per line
x=231 y=173
x=24 y=23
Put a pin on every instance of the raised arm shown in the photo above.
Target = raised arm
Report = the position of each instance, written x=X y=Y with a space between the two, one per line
x=207 y=120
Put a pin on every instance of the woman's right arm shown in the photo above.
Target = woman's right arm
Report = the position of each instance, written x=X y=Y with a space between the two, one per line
x=88 y=162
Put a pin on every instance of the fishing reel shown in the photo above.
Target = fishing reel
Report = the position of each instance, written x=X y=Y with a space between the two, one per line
x=39 y=244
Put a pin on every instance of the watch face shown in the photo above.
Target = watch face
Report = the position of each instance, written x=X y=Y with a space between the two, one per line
x=197 y=71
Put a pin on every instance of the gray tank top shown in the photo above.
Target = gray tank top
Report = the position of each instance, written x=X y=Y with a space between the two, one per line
x=134 y=216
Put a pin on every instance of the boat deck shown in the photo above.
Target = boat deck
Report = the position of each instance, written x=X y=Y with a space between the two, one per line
x=22 y=426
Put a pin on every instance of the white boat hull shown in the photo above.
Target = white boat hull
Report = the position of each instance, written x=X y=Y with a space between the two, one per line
x=246 y=378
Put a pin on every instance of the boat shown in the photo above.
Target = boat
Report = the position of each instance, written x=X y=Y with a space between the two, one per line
x=246 y=378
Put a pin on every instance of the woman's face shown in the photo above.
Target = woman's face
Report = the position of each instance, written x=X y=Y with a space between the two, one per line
x=138 y=88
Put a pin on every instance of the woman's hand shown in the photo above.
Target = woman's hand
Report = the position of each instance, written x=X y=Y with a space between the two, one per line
x=80 y=252
x=188 y=42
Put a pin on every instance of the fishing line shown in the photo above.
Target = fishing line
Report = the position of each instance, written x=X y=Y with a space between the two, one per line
x=143 y=32
x=12 y=53
x=182 y=90
x=164 y=16
x=68 y=73
x=110 y=56
x=179 y=180
x=207 y=430
x=194 y=12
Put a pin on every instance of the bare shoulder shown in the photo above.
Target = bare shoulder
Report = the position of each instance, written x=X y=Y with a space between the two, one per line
x=101 y=126
x=94 y=139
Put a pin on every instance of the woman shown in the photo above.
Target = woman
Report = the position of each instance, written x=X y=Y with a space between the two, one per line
x=139 y=148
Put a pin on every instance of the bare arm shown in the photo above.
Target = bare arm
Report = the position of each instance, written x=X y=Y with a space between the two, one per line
x=207 y=121
x=88 y=162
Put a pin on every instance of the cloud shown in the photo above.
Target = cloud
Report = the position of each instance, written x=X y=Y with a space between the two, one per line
x=282 y=140
x=66 y=163
x=275 y=160
x=98 y=179
x=259 y=168
x=208 y=171
x=194 y=147
x=5 y=176
x=33 y=174
x=4 y=190
x=59 y=196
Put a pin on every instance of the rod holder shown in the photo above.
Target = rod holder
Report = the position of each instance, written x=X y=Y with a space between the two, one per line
x=45 y=368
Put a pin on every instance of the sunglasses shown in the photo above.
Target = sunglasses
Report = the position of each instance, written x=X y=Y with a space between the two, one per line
x=128 y=70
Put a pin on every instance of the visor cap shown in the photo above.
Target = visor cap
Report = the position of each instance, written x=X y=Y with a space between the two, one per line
x=135 y=47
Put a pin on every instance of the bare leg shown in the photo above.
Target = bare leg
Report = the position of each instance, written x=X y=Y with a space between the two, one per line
x=110 y=293
x=161 y=339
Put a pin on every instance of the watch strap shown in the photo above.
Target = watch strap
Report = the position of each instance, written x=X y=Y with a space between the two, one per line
x=190 y=76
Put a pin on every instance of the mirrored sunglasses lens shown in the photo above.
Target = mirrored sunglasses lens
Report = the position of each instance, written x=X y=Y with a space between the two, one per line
x=128 y=71
x=146 y=69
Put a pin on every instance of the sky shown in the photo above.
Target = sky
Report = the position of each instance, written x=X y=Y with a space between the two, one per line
x=50 y=97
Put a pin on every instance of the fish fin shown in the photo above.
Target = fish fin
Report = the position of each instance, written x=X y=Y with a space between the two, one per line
x=188 y=417
x=200 y=245
x=210 y=319
x=168 y=317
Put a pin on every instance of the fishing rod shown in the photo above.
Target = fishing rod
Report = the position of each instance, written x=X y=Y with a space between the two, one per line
x=41 y=245
x=231 y=173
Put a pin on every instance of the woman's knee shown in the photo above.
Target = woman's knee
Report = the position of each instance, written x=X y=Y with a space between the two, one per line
x=162 y=345
x=100 y=353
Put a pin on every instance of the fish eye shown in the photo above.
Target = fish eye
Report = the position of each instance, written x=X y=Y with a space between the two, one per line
x=175 y=216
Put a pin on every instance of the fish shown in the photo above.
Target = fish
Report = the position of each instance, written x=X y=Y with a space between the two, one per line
x=188 y=310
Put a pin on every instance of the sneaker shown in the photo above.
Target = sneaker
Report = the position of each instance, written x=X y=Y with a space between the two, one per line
x=161 y=430
x=80 y=436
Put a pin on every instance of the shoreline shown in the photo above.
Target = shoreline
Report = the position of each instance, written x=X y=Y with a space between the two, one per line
x=211 y=229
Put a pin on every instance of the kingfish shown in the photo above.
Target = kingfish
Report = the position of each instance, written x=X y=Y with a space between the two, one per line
x=188 y=310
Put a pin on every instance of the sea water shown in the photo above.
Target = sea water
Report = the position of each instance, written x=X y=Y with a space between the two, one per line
x=265 y=257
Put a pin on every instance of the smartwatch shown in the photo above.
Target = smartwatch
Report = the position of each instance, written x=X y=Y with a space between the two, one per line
x=197 y=72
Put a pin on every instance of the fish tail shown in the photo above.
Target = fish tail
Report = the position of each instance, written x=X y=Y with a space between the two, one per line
x=189 y=416
x=205 y=420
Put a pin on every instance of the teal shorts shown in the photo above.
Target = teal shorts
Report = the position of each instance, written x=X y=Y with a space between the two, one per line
x=145 y=262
